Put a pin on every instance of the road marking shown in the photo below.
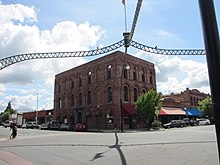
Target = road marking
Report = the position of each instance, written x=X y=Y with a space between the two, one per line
x=13 y=159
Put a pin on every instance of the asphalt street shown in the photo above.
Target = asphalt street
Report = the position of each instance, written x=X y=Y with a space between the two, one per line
x=177 y=146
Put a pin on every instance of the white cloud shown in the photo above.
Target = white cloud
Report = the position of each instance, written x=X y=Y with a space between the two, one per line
x=2 y=89
x=19 y=35
x=16 y=12
x=175 y=74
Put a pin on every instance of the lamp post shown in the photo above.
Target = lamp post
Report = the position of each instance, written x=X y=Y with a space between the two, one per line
x=127 y=67
x=37 y=109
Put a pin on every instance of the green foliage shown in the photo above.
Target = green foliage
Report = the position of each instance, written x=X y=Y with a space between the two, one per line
x=206 y=107
x=5 y=116
x=146 y=104
x=8 y=112
x=156 y=124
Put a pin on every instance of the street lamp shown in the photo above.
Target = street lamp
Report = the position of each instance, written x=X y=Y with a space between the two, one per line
x=125 y=67
x=37 y=109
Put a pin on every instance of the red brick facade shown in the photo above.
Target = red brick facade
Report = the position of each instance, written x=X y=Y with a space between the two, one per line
x=90 y=93
x=186 y=99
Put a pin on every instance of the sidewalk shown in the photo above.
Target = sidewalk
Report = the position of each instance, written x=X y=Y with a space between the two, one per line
x=125 y=131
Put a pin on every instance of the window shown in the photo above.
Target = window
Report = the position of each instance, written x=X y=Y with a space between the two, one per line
x=89 y=78
x=72 y=84
x=59 y=103
x=135 y=74
x=89 y=98
x=143 y=76
x=109 y=72
x=80 y=82
x=191 y=100
x=109 y=94
x=125 y=73
x=59 y=88
x=97 y=75
x=126 y=94
x=135 y=94
x=143 y=91
x=72 y=101
x=151 y=78
x=80 y=99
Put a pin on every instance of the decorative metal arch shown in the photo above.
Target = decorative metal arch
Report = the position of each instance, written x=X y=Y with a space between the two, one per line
x=5 y=62
x=156 y=50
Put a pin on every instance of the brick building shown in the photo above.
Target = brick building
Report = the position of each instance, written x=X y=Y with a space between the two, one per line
x=186 y=99
x=90 y=93
x=41 y=115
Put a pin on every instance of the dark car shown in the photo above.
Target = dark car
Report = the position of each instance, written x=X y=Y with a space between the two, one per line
x=80 y=127
x=66 y=127
x=54 y=124
x=175 y=123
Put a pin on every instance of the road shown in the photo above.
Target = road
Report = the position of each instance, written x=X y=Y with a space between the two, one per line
x=177 y=146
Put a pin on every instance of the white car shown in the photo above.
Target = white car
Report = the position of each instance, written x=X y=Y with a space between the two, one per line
x=203 y=121
x=7 y=123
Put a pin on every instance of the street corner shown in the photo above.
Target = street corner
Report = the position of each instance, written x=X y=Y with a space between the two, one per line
x=8 y=158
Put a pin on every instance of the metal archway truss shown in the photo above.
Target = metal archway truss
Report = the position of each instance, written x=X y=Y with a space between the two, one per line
x=156 y=50
x=5 y=62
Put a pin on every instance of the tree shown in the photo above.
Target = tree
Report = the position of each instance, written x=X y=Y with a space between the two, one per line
x=8 y=112
x=206 y=107
x=146 y=104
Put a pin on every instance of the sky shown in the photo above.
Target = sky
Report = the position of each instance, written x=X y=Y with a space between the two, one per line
x=30 y=26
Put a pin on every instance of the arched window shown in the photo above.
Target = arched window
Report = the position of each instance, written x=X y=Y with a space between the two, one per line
x=144 y=91
x=89 y=98
x=109 y=72
x=151 y=78
x=59 y=88
x=72 y=84
x=135 y=94
x=72 y=101
x=59 y=103
x=109 y=94
x=143 y=76
x=80 y=82
x=126 y=94
x=135 y=74
x=89 y=77
x=125 y=73
x=80 y=99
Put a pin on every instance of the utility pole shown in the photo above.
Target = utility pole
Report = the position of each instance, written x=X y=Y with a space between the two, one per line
x=212 y=46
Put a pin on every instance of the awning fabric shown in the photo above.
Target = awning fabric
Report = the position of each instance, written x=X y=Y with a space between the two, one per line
x=128 y=110
x=171 y=111
x=193 y=112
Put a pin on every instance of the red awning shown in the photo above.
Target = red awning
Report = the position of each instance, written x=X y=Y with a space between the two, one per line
x=128 y=110
x=171 y=111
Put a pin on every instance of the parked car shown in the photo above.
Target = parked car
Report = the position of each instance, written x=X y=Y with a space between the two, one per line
x=44 y=126
x=187 y=121
x=190 y=122
x=203 y=121
x=80 y=127
x=66 y=126
x=54 y=124
x=193 y=122
x=31 y=124
x=7 y=123
x=175 y=123
x=24 y=125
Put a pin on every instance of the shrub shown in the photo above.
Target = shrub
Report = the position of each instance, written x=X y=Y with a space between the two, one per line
x=156 y=124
